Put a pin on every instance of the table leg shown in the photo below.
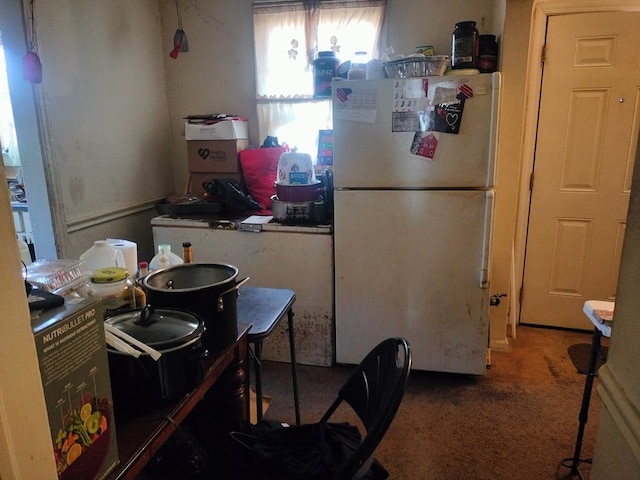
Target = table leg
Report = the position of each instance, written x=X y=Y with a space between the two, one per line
x=248 y=361
x=257 y=352
x=294 y=370
x=586 y=397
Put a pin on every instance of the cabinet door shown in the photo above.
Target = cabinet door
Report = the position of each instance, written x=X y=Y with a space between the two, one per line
x=297 y=261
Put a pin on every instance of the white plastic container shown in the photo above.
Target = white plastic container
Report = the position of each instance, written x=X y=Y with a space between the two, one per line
x=25 y=254
x=117 y=290
x=164 y=258
x=103 y=255
x=295 y=169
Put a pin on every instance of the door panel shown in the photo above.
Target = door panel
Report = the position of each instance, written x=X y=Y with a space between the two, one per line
x=587 y=132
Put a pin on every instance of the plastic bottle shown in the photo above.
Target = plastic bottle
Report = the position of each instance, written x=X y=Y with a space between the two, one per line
x=164 y=258
x=465 y=45
x=325 y=67
x=116 y=290
x=358 y=69
x=488 y=58
x=102 y=255
x=187 y=253
x=143 y=269
x=25 y=253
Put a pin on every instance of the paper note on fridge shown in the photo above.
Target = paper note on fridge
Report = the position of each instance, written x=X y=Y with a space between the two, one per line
x=356 y=104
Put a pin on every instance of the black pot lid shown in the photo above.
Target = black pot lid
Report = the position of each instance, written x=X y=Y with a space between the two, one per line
x=159 y=328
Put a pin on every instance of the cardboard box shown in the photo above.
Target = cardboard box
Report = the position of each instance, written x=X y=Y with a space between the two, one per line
x=215 y=156
x=197 y=179
x=72 y=355
x=222 y=130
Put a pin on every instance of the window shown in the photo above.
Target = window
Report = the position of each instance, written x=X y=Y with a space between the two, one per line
x=287 y=36
x=8 y=139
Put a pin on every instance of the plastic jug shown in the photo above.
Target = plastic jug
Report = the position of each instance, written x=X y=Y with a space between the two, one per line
x=25 y=253
x=102 y=255
x=164 y=258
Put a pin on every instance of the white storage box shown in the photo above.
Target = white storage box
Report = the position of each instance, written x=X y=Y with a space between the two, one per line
x=232 y=129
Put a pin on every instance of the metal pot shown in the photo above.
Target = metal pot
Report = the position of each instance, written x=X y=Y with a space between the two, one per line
x=299 y=193
x=139 y=382
x=297 y=213
x=208 y=290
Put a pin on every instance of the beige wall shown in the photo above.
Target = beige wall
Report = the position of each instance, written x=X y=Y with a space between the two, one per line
x=513 y=65
x=104 y=118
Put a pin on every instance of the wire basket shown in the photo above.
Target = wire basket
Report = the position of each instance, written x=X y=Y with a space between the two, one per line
x=417 y=66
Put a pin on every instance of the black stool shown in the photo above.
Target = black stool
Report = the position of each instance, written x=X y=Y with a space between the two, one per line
x=263 y=308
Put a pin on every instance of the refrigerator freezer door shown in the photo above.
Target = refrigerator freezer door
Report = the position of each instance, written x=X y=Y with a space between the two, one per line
x=410 y=263
x=372 y=156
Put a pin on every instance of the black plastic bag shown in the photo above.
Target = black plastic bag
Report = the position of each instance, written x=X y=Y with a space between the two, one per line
x=313 y=451
x=229 y=192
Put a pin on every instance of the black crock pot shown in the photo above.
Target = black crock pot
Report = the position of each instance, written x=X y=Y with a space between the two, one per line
x=208 y=290
x=138 y=383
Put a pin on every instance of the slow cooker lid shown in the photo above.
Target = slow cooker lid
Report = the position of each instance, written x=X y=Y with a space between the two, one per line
x=159 y=328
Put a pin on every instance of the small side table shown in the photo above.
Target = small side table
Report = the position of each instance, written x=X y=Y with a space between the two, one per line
x=264 y=308
x=601 y=315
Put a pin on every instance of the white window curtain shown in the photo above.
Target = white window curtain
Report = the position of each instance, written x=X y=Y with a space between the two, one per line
x=287 y=36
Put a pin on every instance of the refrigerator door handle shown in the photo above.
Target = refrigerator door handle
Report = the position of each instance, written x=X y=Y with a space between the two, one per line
x=486 y=242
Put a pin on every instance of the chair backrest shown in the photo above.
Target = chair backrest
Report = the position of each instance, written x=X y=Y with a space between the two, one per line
x=374 y=391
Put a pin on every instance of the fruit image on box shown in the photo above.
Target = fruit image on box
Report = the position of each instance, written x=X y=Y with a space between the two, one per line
x=72 y=356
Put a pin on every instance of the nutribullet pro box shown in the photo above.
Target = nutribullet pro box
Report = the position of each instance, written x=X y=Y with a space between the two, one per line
x=74 y=368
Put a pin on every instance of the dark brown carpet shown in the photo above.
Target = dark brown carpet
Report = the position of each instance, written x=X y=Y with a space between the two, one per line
x=519 y=421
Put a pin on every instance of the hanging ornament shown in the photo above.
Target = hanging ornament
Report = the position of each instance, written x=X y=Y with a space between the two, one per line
x=180 y=40
x=31 y=64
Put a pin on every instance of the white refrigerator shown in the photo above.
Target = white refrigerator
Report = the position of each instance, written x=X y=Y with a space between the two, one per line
x=413 y=217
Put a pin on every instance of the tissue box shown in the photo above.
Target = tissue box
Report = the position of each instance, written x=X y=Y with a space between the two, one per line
x=72 y=356
x=215 y=156
x=231 y=129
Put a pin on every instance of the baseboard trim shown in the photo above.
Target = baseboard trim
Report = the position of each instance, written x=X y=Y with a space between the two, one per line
x=499 y=345
x=625 y=415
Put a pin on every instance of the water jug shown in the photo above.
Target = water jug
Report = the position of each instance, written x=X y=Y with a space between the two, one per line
x=25 y=253
x=102 y=255
x=164 y=258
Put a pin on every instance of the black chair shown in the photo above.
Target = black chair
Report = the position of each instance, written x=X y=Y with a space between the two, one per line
x=374 y=391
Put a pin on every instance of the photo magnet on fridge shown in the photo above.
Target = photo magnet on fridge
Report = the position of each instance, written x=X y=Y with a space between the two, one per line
x=448 y=117
x=425 y=146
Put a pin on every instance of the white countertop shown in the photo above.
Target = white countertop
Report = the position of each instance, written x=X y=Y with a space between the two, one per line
x=218 y=223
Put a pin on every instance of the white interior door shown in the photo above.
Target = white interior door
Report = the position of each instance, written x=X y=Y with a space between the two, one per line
x=409 y=263
x=586 y=143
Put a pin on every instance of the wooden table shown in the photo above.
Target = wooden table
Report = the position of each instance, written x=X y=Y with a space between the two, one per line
x=140 y=438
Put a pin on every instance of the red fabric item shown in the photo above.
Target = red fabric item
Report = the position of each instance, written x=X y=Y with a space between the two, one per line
x=260 y=170
x=32 y=67
x=176 y=50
